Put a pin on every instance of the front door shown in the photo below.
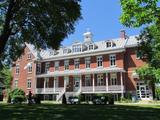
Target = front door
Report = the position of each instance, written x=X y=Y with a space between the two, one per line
x=76 y=83
x=143 y=91
x=69 y=84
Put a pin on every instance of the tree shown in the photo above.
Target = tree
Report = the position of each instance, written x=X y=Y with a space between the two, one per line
x=137 y=13
x=43 y=23
x=150 y=75
x=146 y=14
x=6 y=76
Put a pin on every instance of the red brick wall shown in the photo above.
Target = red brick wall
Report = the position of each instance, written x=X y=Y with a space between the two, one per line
x=24 y=75
x=131 y=63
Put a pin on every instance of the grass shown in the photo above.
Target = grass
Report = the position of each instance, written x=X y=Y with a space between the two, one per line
x=79 y=112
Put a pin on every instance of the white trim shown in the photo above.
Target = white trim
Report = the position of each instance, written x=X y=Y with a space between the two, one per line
x=85 y=54
x=81 y=71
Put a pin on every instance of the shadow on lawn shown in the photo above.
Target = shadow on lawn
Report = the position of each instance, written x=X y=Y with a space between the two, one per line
x=78 y=112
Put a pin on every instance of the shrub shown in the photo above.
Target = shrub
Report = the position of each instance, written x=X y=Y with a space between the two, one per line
x=157 y=91
x=17 y=95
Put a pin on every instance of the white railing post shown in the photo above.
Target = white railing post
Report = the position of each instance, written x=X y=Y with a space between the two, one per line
x=54 y=89
x=122 y=95
x=80 y=83
x=93 y=83
x=107 y=82
x=44 y=85
x=65 y=78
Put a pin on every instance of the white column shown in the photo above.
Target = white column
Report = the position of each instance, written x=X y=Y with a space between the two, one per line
x=35 y=89
x=65 y=80
x=80 y=82
x=107 y=82
x=122 y=95
x=54 y=85
x=93 y=83
x=44 y=84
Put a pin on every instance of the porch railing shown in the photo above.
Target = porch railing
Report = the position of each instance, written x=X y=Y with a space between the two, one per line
x=111 y=88
x=49 y=90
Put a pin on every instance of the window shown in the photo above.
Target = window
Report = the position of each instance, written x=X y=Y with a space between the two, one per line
x=66 y=65
x=17 y=69
x=88 y=80
x=76 y=48
x=56 y=65
x=15 y=83
x=112 y=59
x=108 y=44
x=100 y=80
x=65 y=51
x=88 y=62
x=28 y=83
x=76 y=63
x=29 y=56
x=99 y=61
x=91 y=47
x=113 y=79
x=30 y=68
x=38 y=68
x=47 y=66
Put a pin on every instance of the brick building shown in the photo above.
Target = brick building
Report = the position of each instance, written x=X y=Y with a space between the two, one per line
x=84 y=68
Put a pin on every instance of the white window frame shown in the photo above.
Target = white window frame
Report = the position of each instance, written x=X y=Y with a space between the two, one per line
x=15 y=83
x=112 y=60
x=99 y=61
x=56 y=65
x=91 y=48
x=88 y=62
x=100 y=80
x=38 y=68
x=17 y=69
x=113 y=79
x=29 y=56
x=30 y=68
x=76 y=63
x=88 y=80
x=76 y=48
x=108 y=44
x=66 y=64
x=65 y=51
x=29 y=83
x=47 y=66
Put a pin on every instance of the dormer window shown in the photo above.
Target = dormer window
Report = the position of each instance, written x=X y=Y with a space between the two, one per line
x=65 y=51
x=90 y=47
x=77 y=48
x=110 y=44
x=51 y=52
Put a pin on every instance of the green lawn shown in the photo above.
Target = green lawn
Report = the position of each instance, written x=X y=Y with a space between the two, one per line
x=79 y=112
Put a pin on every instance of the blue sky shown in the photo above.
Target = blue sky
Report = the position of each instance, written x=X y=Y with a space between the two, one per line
x=102 y=18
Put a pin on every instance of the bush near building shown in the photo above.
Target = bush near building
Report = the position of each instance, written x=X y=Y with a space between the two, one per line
x=17 y=96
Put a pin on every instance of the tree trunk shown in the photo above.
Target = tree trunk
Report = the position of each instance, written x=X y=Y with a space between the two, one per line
x=7 y=29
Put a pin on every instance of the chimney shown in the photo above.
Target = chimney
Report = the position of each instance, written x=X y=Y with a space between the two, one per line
x=122 y=34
